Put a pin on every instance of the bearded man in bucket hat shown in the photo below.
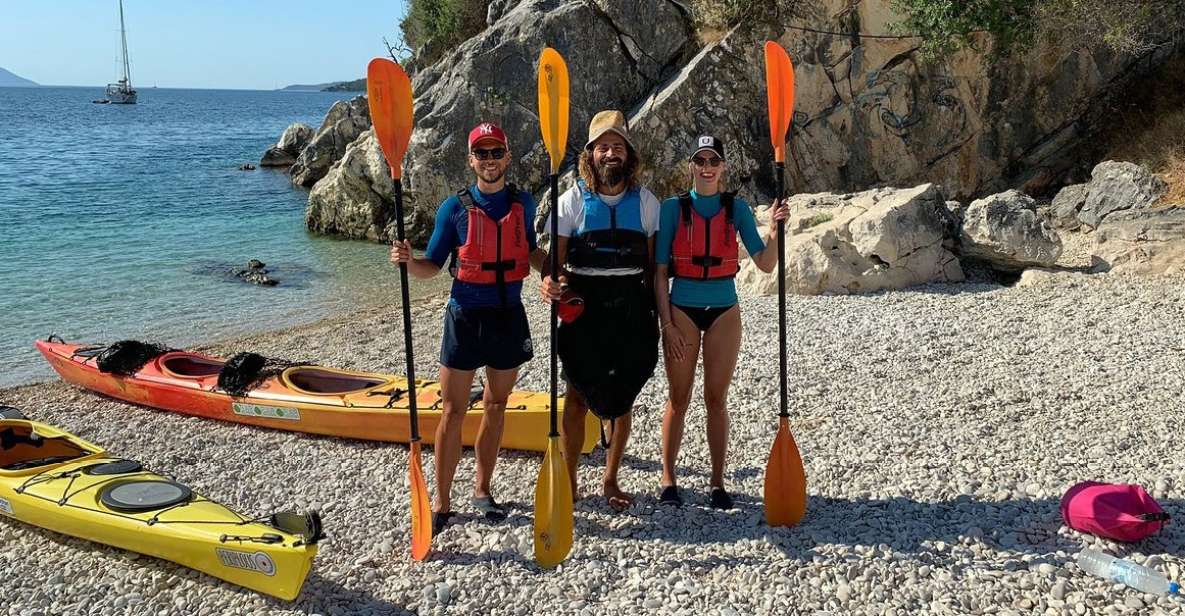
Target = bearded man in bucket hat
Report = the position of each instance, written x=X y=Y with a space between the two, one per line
x=607 y=224
x=484 y=232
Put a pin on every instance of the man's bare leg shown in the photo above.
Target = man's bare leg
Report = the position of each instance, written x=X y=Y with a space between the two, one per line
x=572 y=433
x=617 y=498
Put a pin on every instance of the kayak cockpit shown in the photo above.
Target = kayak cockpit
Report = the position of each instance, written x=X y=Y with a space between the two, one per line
x=189 y=366
x=329 y=382
x=22 y=448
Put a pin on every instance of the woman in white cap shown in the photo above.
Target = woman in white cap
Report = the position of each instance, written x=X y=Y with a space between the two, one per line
x=698 y=245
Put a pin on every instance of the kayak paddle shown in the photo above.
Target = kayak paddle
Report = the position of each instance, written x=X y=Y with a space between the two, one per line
x=389 y=92
x=785 y=479
x=553 y=491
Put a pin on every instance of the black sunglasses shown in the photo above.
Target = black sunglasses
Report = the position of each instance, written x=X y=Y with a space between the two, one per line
x=707 y=162
x=494 y=153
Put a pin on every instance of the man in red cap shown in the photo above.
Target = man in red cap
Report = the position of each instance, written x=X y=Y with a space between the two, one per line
x=486 y=234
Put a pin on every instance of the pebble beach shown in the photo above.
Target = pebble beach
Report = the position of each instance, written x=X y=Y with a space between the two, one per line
x=939 y=427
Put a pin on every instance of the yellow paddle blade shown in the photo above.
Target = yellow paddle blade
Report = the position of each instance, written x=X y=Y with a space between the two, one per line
x=388 y=90
x=421 y=513
x=553 y=508
x=779 y=86
x=553 y=105
x=785 y=480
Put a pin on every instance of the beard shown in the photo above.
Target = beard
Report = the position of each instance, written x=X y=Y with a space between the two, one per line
x=611 y=175
x=490 y=176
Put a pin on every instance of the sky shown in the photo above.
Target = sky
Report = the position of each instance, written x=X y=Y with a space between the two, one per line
x=243 y=44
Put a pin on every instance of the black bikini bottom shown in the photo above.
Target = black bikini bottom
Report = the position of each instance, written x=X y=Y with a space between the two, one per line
x=703 y=317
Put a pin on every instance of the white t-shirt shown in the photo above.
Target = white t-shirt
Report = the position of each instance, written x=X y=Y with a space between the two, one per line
x=572 y=216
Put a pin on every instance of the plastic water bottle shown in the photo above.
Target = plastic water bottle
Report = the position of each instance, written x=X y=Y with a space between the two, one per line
x=1126 y=572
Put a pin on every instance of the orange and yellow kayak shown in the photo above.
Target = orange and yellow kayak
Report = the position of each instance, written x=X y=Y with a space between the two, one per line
x=311 y=399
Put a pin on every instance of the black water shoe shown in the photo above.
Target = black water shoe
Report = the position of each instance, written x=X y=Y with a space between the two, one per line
x=440 y=519
x=720 y=499
x=670 y=496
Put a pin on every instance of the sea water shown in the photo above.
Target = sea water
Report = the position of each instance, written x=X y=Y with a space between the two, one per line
x=121 y=221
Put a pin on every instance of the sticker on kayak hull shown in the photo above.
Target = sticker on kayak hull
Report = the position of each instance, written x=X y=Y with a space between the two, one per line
x=258 y=562
x=269 y=412
x=5 y=506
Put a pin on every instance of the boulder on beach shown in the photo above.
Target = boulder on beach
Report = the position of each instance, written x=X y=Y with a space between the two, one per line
x=857 y=243
x=1116 y=186
x=1006 y=231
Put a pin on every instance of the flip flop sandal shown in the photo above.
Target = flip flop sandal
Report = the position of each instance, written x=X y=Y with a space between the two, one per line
x=618 y=504
x=491 y=510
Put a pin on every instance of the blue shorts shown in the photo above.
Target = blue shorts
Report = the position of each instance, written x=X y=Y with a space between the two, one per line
x=495 y=337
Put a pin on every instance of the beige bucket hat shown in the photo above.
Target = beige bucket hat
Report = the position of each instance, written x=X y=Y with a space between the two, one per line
x=610 y=120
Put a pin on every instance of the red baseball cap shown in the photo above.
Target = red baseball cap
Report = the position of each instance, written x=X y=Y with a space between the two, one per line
x=487 y=130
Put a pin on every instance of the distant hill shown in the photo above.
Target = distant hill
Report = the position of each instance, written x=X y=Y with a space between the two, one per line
x=358 y=85
x=305 y=87
x=8 y=80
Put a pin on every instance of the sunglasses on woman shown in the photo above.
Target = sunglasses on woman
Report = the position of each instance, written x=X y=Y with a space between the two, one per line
x=483 y=154
x=707 y=162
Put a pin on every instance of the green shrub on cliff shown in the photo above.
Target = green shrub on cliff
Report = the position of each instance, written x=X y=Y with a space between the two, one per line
x=1131 y=26
x=433 y=27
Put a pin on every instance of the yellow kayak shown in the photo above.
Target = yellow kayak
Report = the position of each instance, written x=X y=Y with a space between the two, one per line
x=55 y=480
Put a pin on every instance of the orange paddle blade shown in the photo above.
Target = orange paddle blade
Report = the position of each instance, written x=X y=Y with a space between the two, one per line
x=779 y=86
x=553 y=508
x=553 y=105
x=785 y=480
x=421 y=514
x=388 y=91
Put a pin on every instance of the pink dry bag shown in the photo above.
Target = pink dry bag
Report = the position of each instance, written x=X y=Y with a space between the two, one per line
x=1123 y=512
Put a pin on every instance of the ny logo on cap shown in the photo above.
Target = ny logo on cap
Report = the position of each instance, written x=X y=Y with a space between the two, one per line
x=705 y=142
x=486 y=129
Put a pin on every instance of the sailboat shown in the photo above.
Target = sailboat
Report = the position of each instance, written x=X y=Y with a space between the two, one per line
x=122 y=92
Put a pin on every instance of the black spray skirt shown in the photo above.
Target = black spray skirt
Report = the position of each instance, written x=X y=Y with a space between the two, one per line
x=611 y=350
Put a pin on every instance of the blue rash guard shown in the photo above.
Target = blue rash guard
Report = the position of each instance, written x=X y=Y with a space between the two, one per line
x=720 y=293
x=452 y=226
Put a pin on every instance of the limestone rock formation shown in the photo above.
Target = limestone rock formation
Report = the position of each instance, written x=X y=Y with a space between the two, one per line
x=290 y=145
x=343 y=124
x=874 y=240
x=355 y=198
x=1145 y=241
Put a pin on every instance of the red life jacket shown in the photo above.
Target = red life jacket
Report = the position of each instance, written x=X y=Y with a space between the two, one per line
x=705 y=249
x=494 y=251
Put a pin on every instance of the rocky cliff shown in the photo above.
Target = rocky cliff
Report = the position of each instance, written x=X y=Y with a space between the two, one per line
x=871 y=110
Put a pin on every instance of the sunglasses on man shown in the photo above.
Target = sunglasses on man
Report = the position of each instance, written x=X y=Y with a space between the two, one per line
x=707 y=162
x=484 y=154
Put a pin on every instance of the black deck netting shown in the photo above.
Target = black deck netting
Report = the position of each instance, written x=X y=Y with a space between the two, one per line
x=126 y=357
x=246 y=371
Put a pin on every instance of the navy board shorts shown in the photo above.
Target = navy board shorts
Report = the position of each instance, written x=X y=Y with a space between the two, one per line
x=493 y=337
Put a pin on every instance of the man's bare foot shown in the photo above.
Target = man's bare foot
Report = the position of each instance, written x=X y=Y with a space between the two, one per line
x=617 y=499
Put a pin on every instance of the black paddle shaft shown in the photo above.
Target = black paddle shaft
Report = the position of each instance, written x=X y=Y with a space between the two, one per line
x=784 y=408
x=555 y=275
x=407 y=348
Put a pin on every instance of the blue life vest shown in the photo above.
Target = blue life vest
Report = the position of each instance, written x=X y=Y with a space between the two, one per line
x=611 y=237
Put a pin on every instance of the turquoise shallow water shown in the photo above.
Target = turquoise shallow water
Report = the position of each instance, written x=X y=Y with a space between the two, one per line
x=115 y=221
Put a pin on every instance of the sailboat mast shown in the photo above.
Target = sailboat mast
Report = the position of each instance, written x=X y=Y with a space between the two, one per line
x=123 y=35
